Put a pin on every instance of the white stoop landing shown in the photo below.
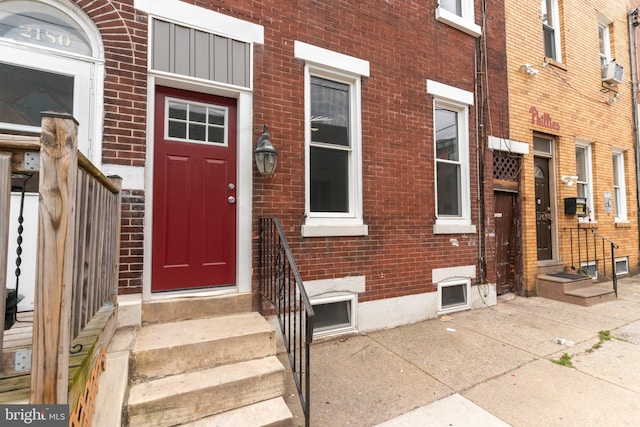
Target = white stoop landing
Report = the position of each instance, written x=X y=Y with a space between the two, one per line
x=170 y=348
x=177 y=399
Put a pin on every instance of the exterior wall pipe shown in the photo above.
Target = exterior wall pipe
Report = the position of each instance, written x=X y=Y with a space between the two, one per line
x=634 y=99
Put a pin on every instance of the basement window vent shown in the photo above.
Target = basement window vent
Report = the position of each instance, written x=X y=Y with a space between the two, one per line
x=622 y=266
x=334 y=315
x=589 y=268
x=453 y=295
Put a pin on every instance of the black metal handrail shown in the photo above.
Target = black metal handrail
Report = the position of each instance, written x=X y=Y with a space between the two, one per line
x=588 y=252
x=281 y=285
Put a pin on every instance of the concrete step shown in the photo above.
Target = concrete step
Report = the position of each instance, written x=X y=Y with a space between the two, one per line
x=189 y=397
x=269 y=413
x=592 y=295
x=176 y=309
x=574 y=289
x=567 y=281
x=177 y=347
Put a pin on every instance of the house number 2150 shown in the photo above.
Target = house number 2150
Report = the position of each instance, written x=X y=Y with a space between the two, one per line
x=42 y=35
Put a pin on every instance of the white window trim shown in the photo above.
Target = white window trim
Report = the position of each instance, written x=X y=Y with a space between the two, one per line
x=199 y=17
x=604 y=23
x=457 y=100
x=88 y=73
x=589 y=171
x=353 y=316
x=555 y=18
x=345 y=69
x=619 y=159
x=454 y=282
x=465 y=23
x=626 y=261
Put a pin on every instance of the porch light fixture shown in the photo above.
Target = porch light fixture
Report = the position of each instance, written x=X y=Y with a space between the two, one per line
x=266 y=155
x=569 y=180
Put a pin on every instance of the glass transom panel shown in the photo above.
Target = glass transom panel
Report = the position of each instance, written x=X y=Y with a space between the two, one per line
x=193 y=122
x=42 y=25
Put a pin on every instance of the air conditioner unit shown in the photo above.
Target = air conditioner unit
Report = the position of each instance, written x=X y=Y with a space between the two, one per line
x=612 y=73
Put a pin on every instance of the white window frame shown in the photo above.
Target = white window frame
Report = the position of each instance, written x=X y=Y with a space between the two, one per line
x=457 y=100
x=555 y=19
x=464 y=22
x=352 y=300
x=330 y=65
x=87 y=72
x=466 y=282
x=626 y=263
x=620 y=190
x=589 y=180
x=604 y=40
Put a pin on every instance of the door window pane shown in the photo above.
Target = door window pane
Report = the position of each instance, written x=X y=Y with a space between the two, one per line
x=26 y=92
x=196 y=122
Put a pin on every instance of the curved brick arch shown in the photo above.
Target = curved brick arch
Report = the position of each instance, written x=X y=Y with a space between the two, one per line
x=124 y=36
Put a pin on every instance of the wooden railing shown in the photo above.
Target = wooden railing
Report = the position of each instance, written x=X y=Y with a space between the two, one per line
x=77 y=248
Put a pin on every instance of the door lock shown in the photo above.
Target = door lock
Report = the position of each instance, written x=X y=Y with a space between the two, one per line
x=231 y=186
x=231 y=199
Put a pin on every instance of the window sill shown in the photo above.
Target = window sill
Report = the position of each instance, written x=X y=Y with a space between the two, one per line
x=330 y=230
x=555 y=63
x=454 y=229
x=455 y=21
x=623 y=224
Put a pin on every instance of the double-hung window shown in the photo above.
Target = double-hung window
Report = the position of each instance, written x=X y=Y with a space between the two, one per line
x=333 y=143
x=451 y=154
x=459 y=14
x=619 y=188
x=604 y=42
x=584 y=182
x=551 y=29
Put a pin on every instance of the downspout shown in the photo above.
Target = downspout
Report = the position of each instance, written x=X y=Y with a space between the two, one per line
x=634 y=99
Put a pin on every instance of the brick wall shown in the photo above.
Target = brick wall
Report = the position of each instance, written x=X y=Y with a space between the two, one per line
x=405 y=46
x=571 y=93
x=124 y=36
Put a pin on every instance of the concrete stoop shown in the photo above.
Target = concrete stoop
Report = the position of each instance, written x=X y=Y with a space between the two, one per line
x=573 y=289
x=212 y=371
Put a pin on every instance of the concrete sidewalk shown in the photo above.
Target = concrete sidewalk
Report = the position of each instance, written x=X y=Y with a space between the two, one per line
x=486 y=367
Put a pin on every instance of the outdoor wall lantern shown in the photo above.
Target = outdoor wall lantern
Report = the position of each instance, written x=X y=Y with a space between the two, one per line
x=528 y=69
x=266 y=155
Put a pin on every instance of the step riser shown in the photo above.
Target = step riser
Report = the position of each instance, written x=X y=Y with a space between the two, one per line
x=173 y=360
x=206 y=401
x=164 y=311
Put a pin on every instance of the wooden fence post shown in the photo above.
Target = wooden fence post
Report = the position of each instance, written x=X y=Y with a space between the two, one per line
x=5 y=212
x=54 y=271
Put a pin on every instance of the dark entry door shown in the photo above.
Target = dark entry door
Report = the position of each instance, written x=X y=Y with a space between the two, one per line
x=543 y=209
x=194 y=210
x=506 y=241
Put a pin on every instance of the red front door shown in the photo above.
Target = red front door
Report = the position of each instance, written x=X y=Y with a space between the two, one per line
x=194 y=209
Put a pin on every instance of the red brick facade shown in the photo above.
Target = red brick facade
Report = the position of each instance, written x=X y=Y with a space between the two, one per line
x=405 y=46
